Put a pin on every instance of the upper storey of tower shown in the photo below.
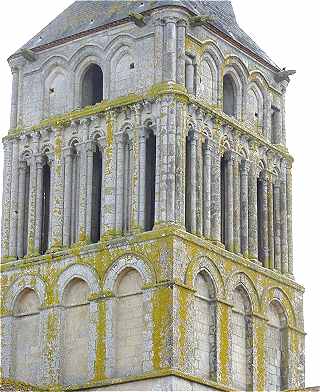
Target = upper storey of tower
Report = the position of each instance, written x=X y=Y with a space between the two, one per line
x=99 y=51
x=84 y=15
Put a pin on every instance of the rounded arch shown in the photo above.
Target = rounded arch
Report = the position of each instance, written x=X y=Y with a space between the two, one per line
x=83 y=272
x=236 y=63
x=46 y=148
x=53 y=63
x=122 y=40
x=26 y=154
x=122 y=71
x=256 y=103
x=56 y=87
x=240 y=279
x=257 y=77
x=128 y=261
x=85 y=55
x=234 y=79
x=204 y=263
x=29 y=281
x=278 y=295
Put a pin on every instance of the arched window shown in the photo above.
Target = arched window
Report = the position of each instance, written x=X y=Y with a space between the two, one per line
x=229 y=96
x=75 y=331
x=206 y=82
x=26 y=338
x=96 y=195
x=128 y=324
x=241 y=341
x=92 y=86
x=190 y=74
x=253 y=107
x=275 y=125
x=150 y=179
x=277 y=348
x=205 y=327
x=45 y=216
x=124 y=77
x=56 y=88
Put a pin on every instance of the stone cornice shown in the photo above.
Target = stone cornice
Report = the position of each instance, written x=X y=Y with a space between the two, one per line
x=87 y=250
x=155 y=92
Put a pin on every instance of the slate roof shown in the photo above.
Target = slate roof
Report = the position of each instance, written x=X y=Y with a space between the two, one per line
x=85 y=15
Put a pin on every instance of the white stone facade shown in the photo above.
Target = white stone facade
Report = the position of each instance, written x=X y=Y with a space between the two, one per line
x=147 y=211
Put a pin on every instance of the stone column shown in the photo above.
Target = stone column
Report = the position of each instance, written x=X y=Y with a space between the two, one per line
x=289 y=222
x=7 y=179
x=170 y=63
x=135 y=176
x=21 y=207
x=68 y=157
x=189 y=75
x=181 y=50
x=32 y=205
x=171 y=159
x=14 y=97
x=163 y=162
x=108 y=200
x=270 y=221
x=284 y=221
x=199 y=186
x=157 y=212
x=82 y=151
x=277 y=225
x=229 y=200
x=264 y=219
x=51 y=163
x=38 y=218
x=142 y=176
x=236 y=206
x=180 y=163
x=119 y=186
x=259 y=327
x=252 y=213
x=223 y=333
x=207 y=190
x=158 y=49
x=244 y=203
x=90 y=147
x=193 y=182
x=14 y=200
x=216 y=194
x=57 y=200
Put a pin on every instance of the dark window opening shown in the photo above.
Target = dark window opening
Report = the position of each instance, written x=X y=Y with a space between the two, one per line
x=92 y=86
x=96 y=196
x=26 y=212
x=228 y=96
x=260 y=218
x=46 y=174
x=150 y=180
x=223 y=193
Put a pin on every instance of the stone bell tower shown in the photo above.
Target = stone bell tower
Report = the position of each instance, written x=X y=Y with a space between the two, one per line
x=147 y=206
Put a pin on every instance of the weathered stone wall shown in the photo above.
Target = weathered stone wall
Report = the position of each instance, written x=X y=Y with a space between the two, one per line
x=163 y=309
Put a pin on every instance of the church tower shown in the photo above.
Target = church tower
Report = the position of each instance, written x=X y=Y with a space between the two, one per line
x=147 y=219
